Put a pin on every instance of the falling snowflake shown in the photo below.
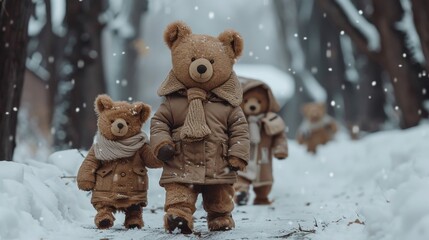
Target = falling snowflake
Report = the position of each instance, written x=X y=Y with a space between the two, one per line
x=211 y=15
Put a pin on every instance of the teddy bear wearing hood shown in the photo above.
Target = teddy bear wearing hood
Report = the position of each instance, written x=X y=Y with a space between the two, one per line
x=200 y=131
x=267 y=138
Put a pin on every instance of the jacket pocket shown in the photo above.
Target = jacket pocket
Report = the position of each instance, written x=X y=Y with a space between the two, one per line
x=141 y=179
x=103 y=181
x=103 y=172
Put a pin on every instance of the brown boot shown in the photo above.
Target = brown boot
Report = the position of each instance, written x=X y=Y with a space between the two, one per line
x=104 y=218
x=241 y=188
x=173 y=222
x=262 y=193
x=220 y=223
x=133 y=217
x=179 y=206
x=218 y=203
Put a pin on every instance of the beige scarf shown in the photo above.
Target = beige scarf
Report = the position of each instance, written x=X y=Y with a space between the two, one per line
x=195 y=126
x=109 y=150
x=254 y=128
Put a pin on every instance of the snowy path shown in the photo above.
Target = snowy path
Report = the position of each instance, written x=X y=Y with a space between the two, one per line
x=381 y=180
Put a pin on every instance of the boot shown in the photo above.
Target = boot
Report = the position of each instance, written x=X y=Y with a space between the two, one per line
x=221 y=223
x=133 y=217
x=104 y=218
x=173 y=222
x=262 y=193
x=241 y=198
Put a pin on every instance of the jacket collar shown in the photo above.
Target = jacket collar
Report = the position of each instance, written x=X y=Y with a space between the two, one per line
x=230 y=91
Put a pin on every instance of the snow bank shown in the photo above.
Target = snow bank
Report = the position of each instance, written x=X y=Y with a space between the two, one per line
x=375 y=189
x=38 y=197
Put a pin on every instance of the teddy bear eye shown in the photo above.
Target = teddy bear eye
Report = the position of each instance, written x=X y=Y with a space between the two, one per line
x=192 y=59
x=127 y=123
x=245 y=101
x=212 y=61
x=111 y=121
x=259 y=101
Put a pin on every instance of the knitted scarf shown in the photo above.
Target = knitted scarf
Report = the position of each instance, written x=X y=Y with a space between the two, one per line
x=195 y=127
x=109 y=150
x=254 y=128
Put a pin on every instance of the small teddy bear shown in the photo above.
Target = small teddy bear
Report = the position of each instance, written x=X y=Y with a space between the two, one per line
x=200 y=131
x=267 y=137
x=115 y=167
x=317 y=128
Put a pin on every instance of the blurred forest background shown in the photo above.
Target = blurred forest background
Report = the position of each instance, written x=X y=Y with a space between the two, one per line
x=366 y=59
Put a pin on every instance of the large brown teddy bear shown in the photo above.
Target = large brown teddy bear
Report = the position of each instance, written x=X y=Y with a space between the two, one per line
x=115 y=167
x=267 y=137
x=317 y=127
x=200 y=131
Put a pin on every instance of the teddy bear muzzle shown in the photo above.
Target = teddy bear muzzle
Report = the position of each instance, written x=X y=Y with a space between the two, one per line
x=201 y=70
x=119 y=127
x=252 y=106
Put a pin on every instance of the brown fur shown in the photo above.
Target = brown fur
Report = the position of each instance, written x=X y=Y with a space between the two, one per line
x=201 y=156
x=315 y=112
x=128 y=192
x=186 y=47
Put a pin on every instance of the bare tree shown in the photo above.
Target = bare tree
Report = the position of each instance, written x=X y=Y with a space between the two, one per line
x=14 y=17
x=403 y=72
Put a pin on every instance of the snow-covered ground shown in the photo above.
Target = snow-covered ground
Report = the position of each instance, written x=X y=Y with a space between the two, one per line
x=375 y=188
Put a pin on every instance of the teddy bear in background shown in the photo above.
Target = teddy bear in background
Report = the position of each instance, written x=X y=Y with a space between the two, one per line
x=200 y=131
x=267 y=137
x=115 y=167
x=317 y=127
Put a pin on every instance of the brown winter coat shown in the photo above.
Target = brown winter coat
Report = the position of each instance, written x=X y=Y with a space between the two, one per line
x=204 y=161
x=118 y=183
x=260 y=173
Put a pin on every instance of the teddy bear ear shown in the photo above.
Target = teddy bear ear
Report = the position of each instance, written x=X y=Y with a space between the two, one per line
x=143 y=110
x=103 y=102
x=176 y=31
x=231 y=38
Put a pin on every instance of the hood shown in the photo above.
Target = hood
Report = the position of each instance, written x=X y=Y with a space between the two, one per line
x=248 y=83
x=230 y=91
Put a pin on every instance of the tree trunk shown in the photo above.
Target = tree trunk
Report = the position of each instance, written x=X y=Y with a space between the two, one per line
x=403 y=74
x=421 y=19
x=14 y=18
x=81 y=76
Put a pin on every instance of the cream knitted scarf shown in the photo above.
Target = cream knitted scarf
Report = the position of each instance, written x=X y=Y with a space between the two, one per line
x=195 y=127
x=109 y=150
x=254 y=128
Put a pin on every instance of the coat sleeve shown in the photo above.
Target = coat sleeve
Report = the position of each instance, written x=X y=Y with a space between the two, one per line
x=86 y=173
x=149 y=158
x=160 y=127
x=238 y=129
x=279 y=144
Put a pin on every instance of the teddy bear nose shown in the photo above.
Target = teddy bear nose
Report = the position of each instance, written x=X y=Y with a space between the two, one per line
x=120 y=125
x=201 y=69
x=252 y=108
